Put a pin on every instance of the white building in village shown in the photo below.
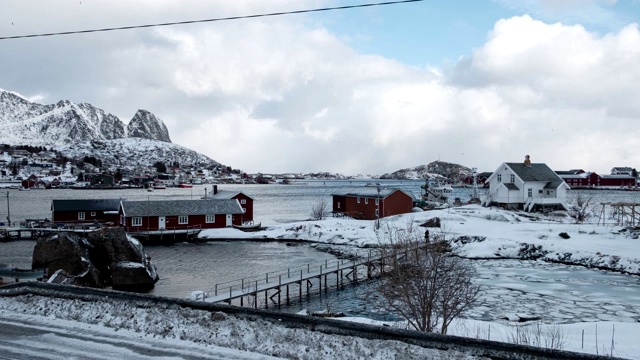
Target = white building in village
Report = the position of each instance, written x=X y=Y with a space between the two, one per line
x=527 y=186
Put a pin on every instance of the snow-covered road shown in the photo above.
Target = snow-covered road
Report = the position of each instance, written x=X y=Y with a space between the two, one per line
x=38 y=337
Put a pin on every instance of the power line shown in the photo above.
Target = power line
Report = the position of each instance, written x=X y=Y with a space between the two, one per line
x=211 y=20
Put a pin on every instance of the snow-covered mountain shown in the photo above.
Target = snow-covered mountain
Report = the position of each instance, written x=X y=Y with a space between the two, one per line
x=450 y=171
x=79 y=130
x=135 y=152
x=147 y=126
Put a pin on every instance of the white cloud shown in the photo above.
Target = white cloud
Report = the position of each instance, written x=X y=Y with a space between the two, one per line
x=281 y=95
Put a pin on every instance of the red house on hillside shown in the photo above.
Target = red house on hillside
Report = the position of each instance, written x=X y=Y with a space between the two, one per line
x=369 y=203
x=246 y=202
x=176 y=215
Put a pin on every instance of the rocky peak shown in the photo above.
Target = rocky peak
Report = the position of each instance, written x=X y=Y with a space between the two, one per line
x=146 y=125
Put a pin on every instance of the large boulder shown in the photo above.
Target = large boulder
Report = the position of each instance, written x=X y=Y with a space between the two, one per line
x=69 y=253
x=105 y=257
x=129 y=265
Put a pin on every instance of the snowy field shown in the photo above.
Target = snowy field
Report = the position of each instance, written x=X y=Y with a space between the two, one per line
x=577 y=301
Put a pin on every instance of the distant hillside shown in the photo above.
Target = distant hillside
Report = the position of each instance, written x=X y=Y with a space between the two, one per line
x=79 y=130
x=450 y=171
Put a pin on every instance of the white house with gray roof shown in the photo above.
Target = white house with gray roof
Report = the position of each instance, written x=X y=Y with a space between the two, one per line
x=528 y=186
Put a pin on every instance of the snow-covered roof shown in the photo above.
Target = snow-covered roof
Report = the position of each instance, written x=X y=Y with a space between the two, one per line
x=181 y=207
x=368 y=191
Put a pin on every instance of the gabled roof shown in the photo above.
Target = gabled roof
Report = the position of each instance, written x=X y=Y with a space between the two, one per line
x=181 y=207
x=85 y=205
x=225 y=194
x=368 y=191
x=536 y=172
x=511 y=186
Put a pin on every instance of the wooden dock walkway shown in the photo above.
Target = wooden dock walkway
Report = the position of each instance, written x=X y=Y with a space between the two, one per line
x=303 y=278
x=33 y=233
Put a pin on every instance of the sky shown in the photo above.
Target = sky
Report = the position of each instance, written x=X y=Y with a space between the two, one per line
x=358 y=91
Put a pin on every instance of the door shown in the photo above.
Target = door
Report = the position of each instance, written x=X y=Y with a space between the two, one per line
x=162 y=223
x=229 y=220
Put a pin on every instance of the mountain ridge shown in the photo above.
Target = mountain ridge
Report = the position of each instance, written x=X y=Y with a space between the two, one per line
x=80 y=129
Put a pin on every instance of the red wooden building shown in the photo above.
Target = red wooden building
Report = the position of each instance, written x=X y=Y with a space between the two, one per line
x=369 y=203
x=593 y=180
x=85 y=211
x=177 y=215
x=246 y=202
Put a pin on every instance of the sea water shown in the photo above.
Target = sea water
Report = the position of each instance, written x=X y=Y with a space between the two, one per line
x=512 y=285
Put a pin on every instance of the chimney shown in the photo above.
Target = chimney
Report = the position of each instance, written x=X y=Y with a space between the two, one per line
x=215 y=190
x=527 y=161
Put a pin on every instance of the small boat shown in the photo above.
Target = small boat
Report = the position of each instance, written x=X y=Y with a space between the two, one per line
x=150 y=189
x=185 y=186
x=159 y=187
x=248 y=226
x=24 y=189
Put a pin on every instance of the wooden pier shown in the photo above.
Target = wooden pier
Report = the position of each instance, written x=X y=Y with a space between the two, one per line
x=284 y=285
x=33 y=233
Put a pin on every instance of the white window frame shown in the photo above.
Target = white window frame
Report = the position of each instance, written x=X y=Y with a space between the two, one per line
x=210 y=219
x=366 y=200
x=513 y=178
x=81 y=215
x=183 y=219
x=243 y=201
x=499 y=178
x=358 y=200
x=136 y=221
x=93 y=214
x=530 y=192
x=377 y=213
x=338 y=204
x=377 y=202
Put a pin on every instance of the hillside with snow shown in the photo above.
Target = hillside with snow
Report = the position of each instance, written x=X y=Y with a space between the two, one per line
x=79 y=130
x=135 y=152
x=433 y=170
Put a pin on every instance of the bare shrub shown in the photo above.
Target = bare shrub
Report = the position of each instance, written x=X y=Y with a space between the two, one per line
x=319 y=209
x=426 y=284
x=543 y=336
x=581 y=208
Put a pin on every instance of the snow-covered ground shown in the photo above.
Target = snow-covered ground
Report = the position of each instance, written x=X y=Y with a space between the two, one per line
x=480 y=233
x=491 y=233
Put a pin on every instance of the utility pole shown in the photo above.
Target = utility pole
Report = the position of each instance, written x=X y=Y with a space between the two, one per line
x=8 y=210
x=378 y=210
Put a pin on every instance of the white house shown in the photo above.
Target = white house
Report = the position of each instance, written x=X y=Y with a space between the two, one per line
x=528 y=186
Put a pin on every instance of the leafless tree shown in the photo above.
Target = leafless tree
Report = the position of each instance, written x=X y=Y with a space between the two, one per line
x=581 y=208
x=425 y=283
x=319 y=209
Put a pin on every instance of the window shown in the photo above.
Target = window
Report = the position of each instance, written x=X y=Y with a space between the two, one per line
x=377 y=213
x=81 y=215
x=499 y=178
x=548 y=192
x=136 y=221
x=530 y=192
x=243 y=201
x=183 y=219
x=366 y=200
x=210 y=219
x=513 y=178
x=540 y=191
x=358 y=200
x=93 y=214
x=377 y=202
x=338 y=204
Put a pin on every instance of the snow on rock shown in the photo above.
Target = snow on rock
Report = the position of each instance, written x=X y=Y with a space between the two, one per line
x=146 y=125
